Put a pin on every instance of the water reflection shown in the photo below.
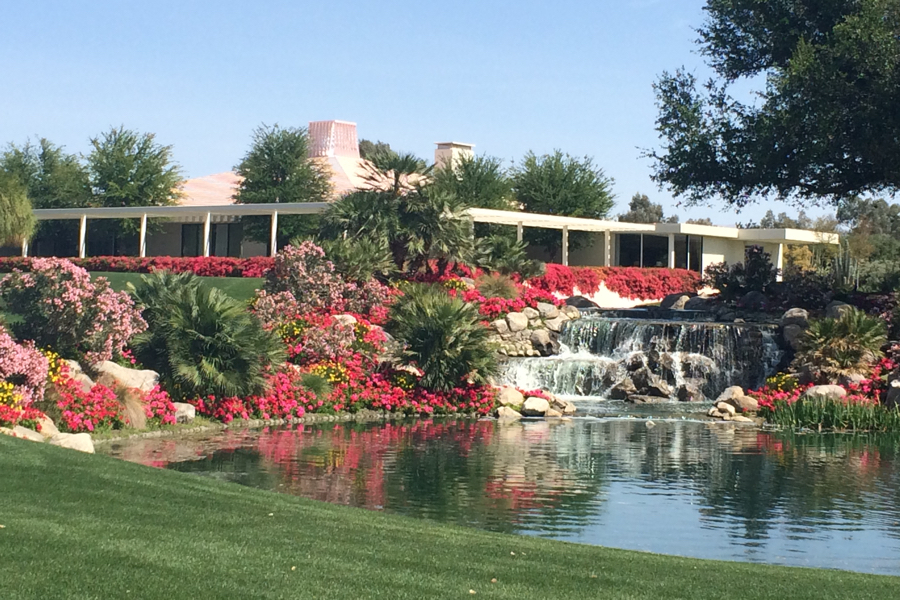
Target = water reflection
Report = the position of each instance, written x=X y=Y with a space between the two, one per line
x=679 y=487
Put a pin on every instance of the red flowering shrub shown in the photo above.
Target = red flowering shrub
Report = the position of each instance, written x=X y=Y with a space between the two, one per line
x=11 y=416
x=627 y=282
x=207 y=266
x=495 y=308
x=98 y=409
x=158 y=407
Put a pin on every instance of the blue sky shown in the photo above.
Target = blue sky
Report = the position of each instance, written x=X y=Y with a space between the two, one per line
x=508 y=76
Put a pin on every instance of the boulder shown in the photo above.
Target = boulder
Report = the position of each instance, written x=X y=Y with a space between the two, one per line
x=535 y=407
x=48 y=427
x=74 y=441
x=530 y=313
x=77 y=374
x=581 y=302
x=144 y=380
x=510 y=396
x=470 y=283
x=744 y=404
x=892 y=395
x=516 y=321
x=644 y=399
x=570 y=409
x=740 y=419
x=726 y=409
x=505 y=413
x=832 y=392
x=634 y=362
x=675 y=301
x=753 y=301
x=791 y=334
x=649 y=384
x=500 y=326
x=795 y=316
x=553 y=414
x=729 y=393
x=27 y=434
x=698 y=303
x=571 y=312
x=541 y=341
x=836 y=309
x=714 y=413
x=547 y=310
x=688 y=392
x=184 y=412
x=555 y=324
x=623 y=389
x=345 y=320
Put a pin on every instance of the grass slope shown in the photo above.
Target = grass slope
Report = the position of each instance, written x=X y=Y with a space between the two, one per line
x=240 y=288
x=85 y=527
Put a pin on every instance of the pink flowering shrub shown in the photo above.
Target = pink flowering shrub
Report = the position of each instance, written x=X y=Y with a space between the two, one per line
x=303 y=281
x=63 y=309
x=23 y=372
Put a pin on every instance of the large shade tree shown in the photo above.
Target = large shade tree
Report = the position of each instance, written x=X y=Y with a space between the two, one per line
x=559 y=184
x=822 y=123
x=642 y=210
x=278 y=169
x=128 y=168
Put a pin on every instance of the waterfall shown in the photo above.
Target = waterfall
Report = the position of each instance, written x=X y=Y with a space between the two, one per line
x=598 y=352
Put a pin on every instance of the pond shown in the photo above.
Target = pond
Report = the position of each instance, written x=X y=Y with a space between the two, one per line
x=675 y=485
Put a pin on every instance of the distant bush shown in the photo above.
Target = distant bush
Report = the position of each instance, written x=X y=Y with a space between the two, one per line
x=61 y=308
x=755 y=274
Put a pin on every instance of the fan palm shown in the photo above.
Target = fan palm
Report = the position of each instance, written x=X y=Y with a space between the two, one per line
x=201 y=340
x=443 y=336
x=833 y=348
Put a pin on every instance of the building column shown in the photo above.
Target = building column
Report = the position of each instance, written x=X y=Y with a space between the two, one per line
x=82 y=237
x=779 y=261
x=565 y=245
x=207 y=225
x=607 y=248
x=641 y=264
x=519 y=231
x=142 y=247
x=273 y=234
x=671 y=250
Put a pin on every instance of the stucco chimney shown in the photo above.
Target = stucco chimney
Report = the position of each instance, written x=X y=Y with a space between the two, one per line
x=450 y=153
x=333 y=138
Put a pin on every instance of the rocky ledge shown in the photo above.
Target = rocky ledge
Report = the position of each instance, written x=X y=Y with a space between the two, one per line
x=512 y=405
x=534 y=331
x=734 y=405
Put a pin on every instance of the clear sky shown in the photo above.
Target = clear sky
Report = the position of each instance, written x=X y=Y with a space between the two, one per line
x=507 y=75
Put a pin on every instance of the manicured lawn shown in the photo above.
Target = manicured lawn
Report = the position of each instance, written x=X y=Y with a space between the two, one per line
x=80 y=526
x=241 y=288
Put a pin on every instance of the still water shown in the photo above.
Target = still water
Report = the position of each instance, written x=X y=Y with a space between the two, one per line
x=676 y=486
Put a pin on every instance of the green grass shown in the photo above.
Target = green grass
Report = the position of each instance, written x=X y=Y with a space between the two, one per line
x=240 y=288
x=91 y=527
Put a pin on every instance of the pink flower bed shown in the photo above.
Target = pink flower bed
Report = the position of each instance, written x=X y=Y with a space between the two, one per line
x=206 y=266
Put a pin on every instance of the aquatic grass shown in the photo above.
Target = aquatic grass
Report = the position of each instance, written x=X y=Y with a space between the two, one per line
x=821 y=413
x=80 y=526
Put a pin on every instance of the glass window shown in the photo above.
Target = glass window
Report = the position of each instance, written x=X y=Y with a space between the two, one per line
x=681 y=252
x=695 y=252
x=629 y=249
x=190 y=239
x=656 y=251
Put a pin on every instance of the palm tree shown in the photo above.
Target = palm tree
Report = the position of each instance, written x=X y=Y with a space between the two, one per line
x=201 y=340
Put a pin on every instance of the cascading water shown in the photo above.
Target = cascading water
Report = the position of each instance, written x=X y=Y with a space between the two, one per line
x=597 y=353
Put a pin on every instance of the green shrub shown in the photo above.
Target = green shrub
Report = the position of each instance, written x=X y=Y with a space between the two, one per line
x=832 y=348
x=502 y=253
x=755 y=274
x=443 y=336
x=359 y=258
x=497 y=286
x=202 y=341
x=318 y=385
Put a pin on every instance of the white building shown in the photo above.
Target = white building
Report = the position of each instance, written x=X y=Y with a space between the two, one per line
x=208 y=222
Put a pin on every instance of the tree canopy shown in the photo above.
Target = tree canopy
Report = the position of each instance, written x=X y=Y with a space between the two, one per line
x=52 y=178
x=641 y=210
x=278 y=169
x=559 y=184
x=367 y=148
x=478 y=181
x=824 y=126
